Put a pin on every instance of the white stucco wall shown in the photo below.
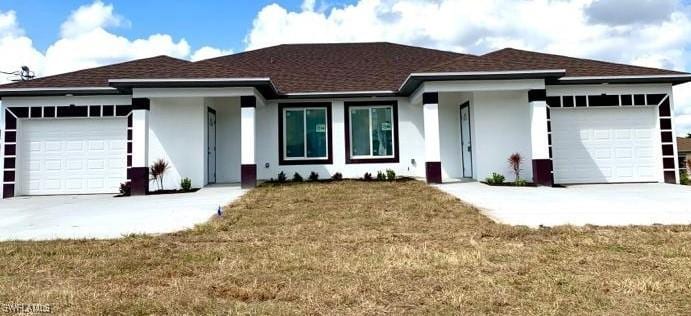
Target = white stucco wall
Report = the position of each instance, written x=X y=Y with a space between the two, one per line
x=411 y=162
x=176 y=133
x=500 y=127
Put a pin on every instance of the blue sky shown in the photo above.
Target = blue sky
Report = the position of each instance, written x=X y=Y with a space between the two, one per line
x=216 y=23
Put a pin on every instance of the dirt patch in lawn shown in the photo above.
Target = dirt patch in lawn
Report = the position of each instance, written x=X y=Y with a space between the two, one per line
x=357 y=248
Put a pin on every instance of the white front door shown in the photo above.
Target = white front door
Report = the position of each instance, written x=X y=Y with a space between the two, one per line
x=211 y=148
x=599 y=145
x=72 y=156
x=466 y=147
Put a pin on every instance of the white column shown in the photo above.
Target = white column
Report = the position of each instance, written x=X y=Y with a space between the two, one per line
x=138 y=174
x=430 y=111
x=538 y=130
x=248 y=167
x=539 y=138
x=140 y=138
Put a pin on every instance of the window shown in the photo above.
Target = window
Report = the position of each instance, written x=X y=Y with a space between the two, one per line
x=371 y=132
x=304 y=133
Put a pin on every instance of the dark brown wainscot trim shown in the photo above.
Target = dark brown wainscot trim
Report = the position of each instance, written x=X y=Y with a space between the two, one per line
x=346 y=121
x=139 y=180
x=329 y=137
x=248 y=176
x=542 y=172
x=433 y=171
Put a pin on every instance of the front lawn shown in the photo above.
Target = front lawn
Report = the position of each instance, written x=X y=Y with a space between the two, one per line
x=357 y=248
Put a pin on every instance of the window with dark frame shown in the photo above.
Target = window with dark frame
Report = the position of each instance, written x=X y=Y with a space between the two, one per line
x=304 y=133
x=371 y=132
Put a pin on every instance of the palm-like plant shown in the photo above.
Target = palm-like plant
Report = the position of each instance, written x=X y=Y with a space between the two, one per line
x=157 y=170
x=515 y=161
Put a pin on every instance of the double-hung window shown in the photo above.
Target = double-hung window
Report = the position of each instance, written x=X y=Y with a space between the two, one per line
x=305 y=133
x=372 y=130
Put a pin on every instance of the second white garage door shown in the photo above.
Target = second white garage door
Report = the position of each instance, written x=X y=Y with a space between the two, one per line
x=72 y=156
x=601 y=145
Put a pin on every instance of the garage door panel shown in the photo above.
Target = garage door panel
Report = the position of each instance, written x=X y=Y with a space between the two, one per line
x=72 y=156
x=604 y=145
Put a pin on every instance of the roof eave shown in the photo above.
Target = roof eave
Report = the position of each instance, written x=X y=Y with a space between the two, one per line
x=58 y=91
x=415 y=79
x=673 y=79
x=264 y=85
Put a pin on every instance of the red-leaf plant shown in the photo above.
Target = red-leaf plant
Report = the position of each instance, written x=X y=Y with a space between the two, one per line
x=515 y=161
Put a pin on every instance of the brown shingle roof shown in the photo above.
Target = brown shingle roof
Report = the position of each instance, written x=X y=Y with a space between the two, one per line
x=684 y=145
x=321 y=67
x=575 y=67
x=343 y=67
x=99 y=76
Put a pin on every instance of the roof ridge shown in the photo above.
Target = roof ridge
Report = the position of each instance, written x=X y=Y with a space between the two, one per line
x=490 y=54
x=337 y=44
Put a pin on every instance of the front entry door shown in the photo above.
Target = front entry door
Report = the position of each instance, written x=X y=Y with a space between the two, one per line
x=466 y=146
x=211 y=148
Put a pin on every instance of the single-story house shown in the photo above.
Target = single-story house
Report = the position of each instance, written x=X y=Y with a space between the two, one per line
x=350 y=108
x=684 y=149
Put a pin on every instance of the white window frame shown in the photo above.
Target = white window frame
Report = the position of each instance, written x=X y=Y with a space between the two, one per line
x=304 y=134
x=371 y=146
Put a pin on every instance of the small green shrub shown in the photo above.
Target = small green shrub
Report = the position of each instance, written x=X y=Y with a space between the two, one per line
x=313 y=176
x=281 y=177
x=367 y=176
x=337 y=176
x=381 y=176
x=125 y=189
x=186 y=184
x=684 y=177
x=495 y=179
x=297 y=177
x=520 y=183
x=390 y=175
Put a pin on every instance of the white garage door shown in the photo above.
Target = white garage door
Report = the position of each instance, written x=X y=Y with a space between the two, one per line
x=600 y=145
x=72 y=156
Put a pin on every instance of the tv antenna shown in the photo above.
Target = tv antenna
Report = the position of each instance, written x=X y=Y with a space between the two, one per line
x=23 y=74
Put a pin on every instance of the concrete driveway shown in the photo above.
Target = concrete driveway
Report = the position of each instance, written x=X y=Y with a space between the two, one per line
x=103 y=216
x=603 y=204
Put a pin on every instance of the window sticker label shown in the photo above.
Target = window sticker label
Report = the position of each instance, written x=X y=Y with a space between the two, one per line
x=385 y=126
x=320 y=128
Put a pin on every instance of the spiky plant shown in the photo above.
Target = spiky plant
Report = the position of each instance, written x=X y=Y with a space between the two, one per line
x=157 y=170
x=515 y=161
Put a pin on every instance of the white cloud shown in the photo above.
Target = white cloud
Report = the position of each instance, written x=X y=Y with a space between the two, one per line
x=582 y=28
x=15 y=48
x=207 y=52
x=86 y=40
x=88 y=18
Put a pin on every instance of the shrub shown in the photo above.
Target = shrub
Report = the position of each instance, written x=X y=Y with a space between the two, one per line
x=186 y=184
x=390 y=175
x=684 y=177
x=282 y=178
x=125 y=189
x=367 y=176
x=157 y=170
x=515 y=161
x=297 y=177
x=381 y=176
x=521 y=183
x=313 y=176
x=495 y=178
x=337 y=176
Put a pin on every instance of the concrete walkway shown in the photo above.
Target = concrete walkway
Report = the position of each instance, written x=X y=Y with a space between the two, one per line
x=104 y=216
x=604 y=204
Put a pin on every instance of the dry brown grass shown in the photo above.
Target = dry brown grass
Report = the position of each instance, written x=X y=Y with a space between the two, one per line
x=357 y=248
